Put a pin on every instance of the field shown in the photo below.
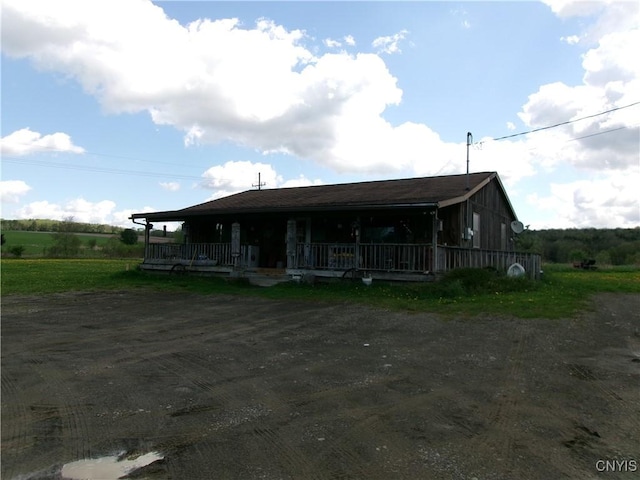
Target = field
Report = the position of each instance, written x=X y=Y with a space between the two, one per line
x=105 y=367
x=36 y=243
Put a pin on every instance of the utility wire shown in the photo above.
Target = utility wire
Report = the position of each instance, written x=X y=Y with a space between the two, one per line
x=565 y=123
x=101 y=169
x=479 y=144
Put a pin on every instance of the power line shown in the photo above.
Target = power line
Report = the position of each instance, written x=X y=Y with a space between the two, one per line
x=101 y=169
x=566 y=141
x=564 y=123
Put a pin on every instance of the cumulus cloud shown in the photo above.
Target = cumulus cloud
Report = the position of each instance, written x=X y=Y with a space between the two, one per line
x=102 y=212
x=261 y=87
x=170 y=186
x=611 y=80
x=605 y=201
x=349 y=40
x=233 y=177
x=301 y=181
x=27 y=142
x=332 y=43
x=390 y=43
x=216 y=80
x=80 y=209
x=12 y=190
x=603 y=149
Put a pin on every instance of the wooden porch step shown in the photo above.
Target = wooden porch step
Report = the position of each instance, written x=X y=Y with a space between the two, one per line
x=271 y=271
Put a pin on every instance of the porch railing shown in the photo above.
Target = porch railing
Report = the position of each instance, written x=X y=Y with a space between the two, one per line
x=450 y=258
x=216 y=253
x=408 y=258
x=384 y=257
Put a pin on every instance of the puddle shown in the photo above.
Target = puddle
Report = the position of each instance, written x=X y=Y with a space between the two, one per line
x=106 y=468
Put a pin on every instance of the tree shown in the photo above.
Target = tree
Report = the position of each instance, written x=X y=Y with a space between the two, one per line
x=65 y=242
x=129 y=236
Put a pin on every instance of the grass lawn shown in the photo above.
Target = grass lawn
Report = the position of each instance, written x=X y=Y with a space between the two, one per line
x=563 y=292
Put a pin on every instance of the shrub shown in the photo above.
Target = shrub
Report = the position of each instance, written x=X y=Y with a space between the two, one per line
x=16 y=250
x=129 y=236
x=472 y=281
x=114 y=248
x=65 y=244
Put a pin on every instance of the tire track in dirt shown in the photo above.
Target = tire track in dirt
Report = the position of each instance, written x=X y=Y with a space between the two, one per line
x=294 y=461
x=72 y=415
x=226 y=390
x=16 y=415
x=503 y=418
x=504 y=436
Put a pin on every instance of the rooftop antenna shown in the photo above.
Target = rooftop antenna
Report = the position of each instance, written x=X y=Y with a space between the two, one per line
x=259 y=184
x=469 y=142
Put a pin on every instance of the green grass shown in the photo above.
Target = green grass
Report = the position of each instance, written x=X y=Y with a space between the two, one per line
x=35 y=243
x=563 y=292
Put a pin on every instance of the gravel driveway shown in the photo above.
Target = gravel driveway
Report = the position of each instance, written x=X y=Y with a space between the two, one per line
x=184 y=386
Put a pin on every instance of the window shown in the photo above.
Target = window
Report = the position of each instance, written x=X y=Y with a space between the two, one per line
x=476 y=230
x=503 y=236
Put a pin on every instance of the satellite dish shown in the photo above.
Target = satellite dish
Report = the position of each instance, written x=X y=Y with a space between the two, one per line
x=517 y=227
x=516 y=270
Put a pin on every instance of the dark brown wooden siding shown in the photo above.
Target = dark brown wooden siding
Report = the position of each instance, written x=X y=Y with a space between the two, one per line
x=494 y=211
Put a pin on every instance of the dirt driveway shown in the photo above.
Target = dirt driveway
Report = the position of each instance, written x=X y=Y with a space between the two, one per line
x=217 y=387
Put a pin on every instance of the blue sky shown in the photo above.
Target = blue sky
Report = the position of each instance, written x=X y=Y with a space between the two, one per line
x=122 y=106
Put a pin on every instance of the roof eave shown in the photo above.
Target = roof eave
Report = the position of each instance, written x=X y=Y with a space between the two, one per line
x=179 y=215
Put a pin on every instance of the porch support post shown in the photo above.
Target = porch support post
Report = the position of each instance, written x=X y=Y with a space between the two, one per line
x=147 y=230
x=434 y=239
x=291 y=243
x=235 y=244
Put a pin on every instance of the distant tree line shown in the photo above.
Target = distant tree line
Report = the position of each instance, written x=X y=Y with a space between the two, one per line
x=68 y=225
x=617 y=246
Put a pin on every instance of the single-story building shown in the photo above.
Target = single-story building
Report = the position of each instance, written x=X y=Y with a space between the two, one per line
x=405 y=229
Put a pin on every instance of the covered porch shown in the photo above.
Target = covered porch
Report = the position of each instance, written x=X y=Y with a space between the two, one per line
x=385 y=261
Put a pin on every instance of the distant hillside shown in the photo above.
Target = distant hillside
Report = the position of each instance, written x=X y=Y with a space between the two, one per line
x=614 y=246
x=46 y=225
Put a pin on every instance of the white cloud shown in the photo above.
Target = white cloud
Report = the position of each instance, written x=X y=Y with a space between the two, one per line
x=605 y=201
x=233 y=177
x=349 y=40
x=332 y=43
x=27 y=142
x=571 y=39
x=603 y=150
x=301 y=181
x=80 y=209
x=391 y=43
x=102 y=212
x=611 y=80
x=264 y=89
x=12 y=190
x=170 y=186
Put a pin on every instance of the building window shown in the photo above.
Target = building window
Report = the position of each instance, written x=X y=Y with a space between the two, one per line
x=476 y=230
x=503 y=236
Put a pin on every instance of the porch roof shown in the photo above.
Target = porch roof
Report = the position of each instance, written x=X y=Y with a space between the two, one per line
x=424 y=192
